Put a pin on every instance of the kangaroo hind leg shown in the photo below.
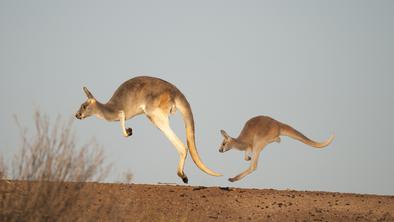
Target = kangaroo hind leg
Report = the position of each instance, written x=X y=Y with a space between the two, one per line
x=160 y=119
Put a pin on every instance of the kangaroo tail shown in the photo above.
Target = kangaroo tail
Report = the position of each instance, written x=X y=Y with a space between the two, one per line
x=287 y=130
x=184 y=107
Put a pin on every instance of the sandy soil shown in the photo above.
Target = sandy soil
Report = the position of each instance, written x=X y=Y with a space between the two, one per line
x=184 y=203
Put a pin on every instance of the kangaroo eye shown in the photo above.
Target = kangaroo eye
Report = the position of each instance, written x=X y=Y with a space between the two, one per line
x=83 y=106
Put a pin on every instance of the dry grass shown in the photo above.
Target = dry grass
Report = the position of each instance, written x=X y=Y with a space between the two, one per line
x=3 y=169
x=126 y=177
x=47 y=160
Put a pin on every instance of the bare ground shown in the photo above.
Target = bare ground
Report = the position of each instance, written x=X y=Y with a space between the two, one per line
x=134 y=202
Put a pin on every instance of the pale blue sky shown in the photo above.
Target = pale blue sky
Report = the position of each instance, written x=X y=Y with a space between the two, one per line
x=321 y=66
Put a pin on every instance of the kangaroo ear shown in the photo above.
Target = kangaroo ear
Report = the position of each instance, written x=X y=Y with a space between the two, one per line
x=224 y=134
x=88 y=94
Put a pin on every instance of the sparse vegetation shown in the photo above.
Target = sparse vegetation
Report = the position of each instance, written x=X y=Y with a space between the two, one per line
x=38 y=184
x=3 y=168
x=126 y=177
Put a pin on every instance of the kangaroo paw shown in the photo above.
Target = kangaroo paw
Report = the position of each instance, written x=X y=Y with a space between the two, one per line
x=248 y=158
x=129 y=132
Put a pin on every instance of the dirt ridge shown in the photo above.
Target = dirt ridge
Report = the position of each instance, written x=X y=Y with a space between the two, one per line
x=141 y=202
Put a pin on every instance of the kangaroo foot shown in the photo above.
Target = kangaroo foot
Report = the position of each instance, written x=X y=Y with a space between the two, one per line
x=185 y=180
x=183 y=177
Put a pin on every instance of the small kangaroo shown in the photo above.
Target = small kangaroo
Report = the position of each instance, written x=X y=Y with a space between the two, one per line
x=155 y=98
x=259 y=132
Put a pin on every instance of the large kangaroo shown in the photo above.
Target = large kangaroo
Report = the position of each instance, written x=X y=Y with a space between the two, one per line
x=259 y=132
x=155 y=98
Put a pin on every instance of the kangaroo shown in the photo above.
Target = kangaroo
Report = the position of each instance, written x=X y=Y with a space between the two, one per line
x=259 y=132
x=155 y=98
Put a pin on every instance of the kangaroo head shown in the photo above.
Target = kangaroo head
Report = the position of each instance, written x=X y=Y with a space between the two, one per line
x=87 y=108
x=227 y=142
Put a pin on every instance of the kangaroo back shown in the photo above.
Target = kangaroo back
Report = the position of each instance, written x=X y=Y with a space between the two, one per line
x=287 y=130
x=184 y=107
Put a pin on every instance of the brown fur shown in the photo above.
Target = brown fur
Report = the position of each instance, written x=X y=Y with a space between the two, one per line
x=155 y=98
x=259 y=132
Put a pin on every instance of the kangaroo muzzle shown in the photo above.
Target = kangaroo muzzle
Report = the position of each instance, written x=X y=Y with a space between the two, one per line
x=223 y=149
